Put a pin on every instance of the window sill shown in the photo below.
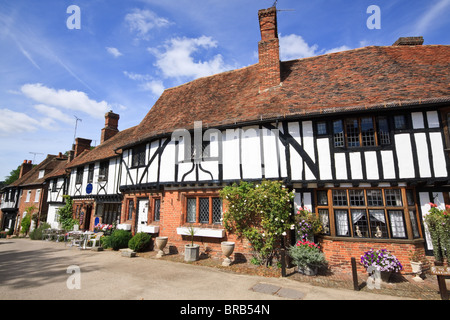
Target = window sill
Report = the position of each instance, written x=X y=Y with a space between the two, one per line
x=202 y=232
x=150 y=229
x=390 y=240
x=124 y=226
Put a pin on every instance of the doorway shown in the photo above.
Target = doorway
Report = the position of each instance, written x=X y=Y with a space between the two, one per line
x=142 y=214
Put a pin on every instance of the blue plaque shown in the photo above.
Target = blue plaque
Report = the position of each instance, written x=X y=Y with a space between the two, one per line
x=89 y=188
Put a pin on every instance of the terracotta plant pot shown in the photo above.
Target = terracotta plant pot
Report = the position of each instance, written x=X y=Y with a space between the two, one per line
x=227 y=250
x=161 y=242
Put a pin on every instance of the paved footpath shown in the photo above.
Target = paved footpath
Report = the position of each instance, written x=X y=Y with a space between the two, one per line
x=37 y=270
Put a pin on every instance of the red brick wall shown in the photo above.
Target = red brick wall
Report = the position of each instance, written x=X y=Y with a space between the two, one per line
x=339 y=252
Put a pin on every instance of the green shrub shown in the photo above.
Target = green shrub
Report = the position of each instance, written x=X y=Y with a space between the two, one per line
x=117 y=240
x=36 y=234
x=26 y=223
x=140 y=242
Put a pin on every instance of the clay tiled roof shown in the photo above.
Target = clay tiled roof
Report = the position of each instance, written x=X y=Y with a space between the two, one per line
x=365 y=78
x=105 y=150
x=50 y=164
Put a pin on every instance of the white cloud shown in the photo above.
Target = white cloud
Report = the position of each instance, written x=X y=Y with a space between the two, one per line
x=71 y=100
x=114 y=52
x=176 y=59
x=430 y=17
x=53 y=113
x=13 y=122
x=295 y=47
x=147 y=82
x=142 y=21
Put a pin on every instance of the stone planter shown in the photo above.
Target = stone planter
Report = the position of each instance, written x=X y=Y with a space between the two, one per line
x=227 y=250
x=417 y=270
x=161 y=243
x=191 y=252
x=308 y=270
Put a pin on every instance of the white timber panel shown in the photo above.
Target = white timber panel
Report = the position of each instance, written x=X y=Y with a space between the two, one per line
x=422 y=156
x=324 y=159
x=152 y=176
x=356 y=166
x=404 y=155
x=270 y=139
x=308 y=140
x=387 y=160
x=341 y=166
x=251 y=153
x=371 y=165
x=296 y=160
x=167 y=170
x=437 y=150
x=231 y=155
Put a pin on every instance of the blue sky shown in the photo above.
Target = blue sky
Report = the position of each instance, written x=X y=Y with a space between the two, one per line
x=127 y=52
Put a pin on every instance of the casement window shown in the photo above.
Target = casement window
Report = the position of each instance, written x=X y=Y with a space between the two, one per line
x=90 y=177
x=156 y=209
x=110 y=212
x=37 y=196
x=79 y=175
x=138 y=156
x=130 y=209
x=377 y=213
x=54 y=185
x=204 y=209
x=28 y=196
x=103 y=172
x=358 y=132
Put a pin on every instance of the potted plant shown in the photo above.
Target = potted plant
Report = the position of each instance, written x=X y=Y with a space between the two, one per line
x=191 y=251
x=307 y=256
x=383 y=261
x=438 y=225
x=308 y=224
x=416 y=260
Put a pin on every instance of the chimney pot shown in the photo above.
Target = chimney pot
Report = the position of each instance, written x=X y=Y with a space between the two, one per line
x=409 y=41
x=111 y=126
x=269 y=49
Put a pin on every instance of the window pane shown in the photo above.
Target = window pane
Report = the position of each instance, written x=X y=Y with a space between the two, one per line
x=383 y=131
x=204 y=210
x=397 y=223
x=367 y=132
x=339 y=197
x=415 y=228
x=393 y=198
x=191 y=210
x=321 y=128
x=325 y=219
x=400 y=122
x=130 y=209
x=338 y=133
x=374 y=198
x=341 y=217
x=217 y=210
x=157 y=209
x=410 y=197
x=356 y=197
x=378 y=225
x=360 y=225
x=352 y=132
x=322 y=199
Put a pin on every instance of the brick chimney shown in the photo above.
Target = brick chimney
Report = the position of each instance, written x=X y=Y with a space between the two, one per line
x=269 y=49
x=25 y=167
x=81 y=145
x=111 y=126
x=408 y=41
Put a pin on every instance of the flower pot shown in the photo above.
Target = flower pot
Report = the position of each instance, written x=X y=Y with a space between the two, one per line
x=417 y=270
x=161 y=242
x=191 y=252
x=308 y=270
x=227 y=250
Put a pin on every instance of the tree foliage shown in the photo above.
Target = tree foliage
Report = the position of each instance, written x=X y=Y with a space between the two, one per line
x=65 y=214
x=261 y=213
